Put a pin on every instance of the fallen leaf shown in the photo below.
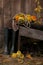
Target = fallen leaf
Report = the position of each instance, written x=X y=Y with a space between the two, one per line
x=38 y=63
x=6 y=60
x=29 y=56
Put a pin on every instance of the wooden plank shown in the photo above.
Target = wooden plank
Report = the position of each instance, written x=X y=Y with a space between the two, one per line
x=32 y=33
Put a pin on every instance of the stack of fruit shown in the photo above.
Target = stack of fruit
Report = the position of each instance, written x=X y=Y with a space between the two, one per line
x=17 y=55
x=20 y=57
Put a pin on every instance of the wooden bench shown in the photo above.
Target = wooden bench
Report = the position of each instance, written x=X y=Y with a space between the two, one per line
x=29 y=32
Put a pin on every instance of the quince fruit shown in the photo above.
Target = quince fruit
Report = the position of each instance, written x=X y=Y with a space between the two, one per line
x=14 y=55
x=19 y=53
x=22 y=56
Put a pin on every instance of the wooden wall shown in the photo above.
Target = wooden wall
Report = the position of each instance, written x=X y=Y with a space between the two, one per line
x=1 y=24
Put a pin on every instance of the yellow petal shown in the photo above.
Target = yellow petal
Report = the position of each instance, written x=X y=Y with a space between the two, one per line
x=21 y=18
x=28 y=17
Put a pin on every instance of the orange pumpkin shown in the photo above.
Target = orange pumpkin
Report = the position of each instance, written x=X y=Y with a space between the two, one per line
x=34 y=18
x=16 y=18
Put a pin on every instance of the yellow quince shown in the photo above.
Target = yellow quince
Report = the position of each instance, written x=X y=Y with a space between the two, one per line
x=19 y=53
x=22 y=56
x=14 y=55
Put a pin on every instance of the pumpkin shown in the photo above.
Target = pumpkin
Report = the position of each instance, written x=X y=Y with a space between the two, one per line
x=34 y=18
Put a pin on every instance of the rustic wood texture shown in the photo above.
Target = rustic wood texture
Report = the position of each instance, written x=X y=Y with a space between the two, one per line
x=1 y=24
x=29 y=33
x=32 y=33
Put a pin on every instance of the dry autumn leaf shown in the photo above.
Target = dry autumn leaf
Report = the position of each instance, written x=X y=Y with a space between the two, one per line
x=20 y=61
x=29 y=56
x=6 y=60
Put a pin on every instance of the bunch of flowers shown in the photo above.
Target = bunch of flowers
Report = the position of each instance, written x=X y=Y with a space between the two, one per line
x=20 y=18
x=31 y=18
x=24 y=18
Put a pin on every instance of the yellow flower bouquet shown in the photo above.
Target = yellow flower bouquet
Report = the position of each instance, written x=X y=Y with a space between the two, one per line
x=24 y=19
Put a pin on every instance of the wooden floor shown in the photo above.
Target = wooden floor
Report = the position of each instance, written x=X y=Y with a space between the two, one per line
x=7 y=60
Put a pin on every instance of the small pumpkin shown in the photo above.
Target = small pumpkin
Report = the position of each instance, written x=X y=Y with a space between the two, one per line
x=34 y=18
